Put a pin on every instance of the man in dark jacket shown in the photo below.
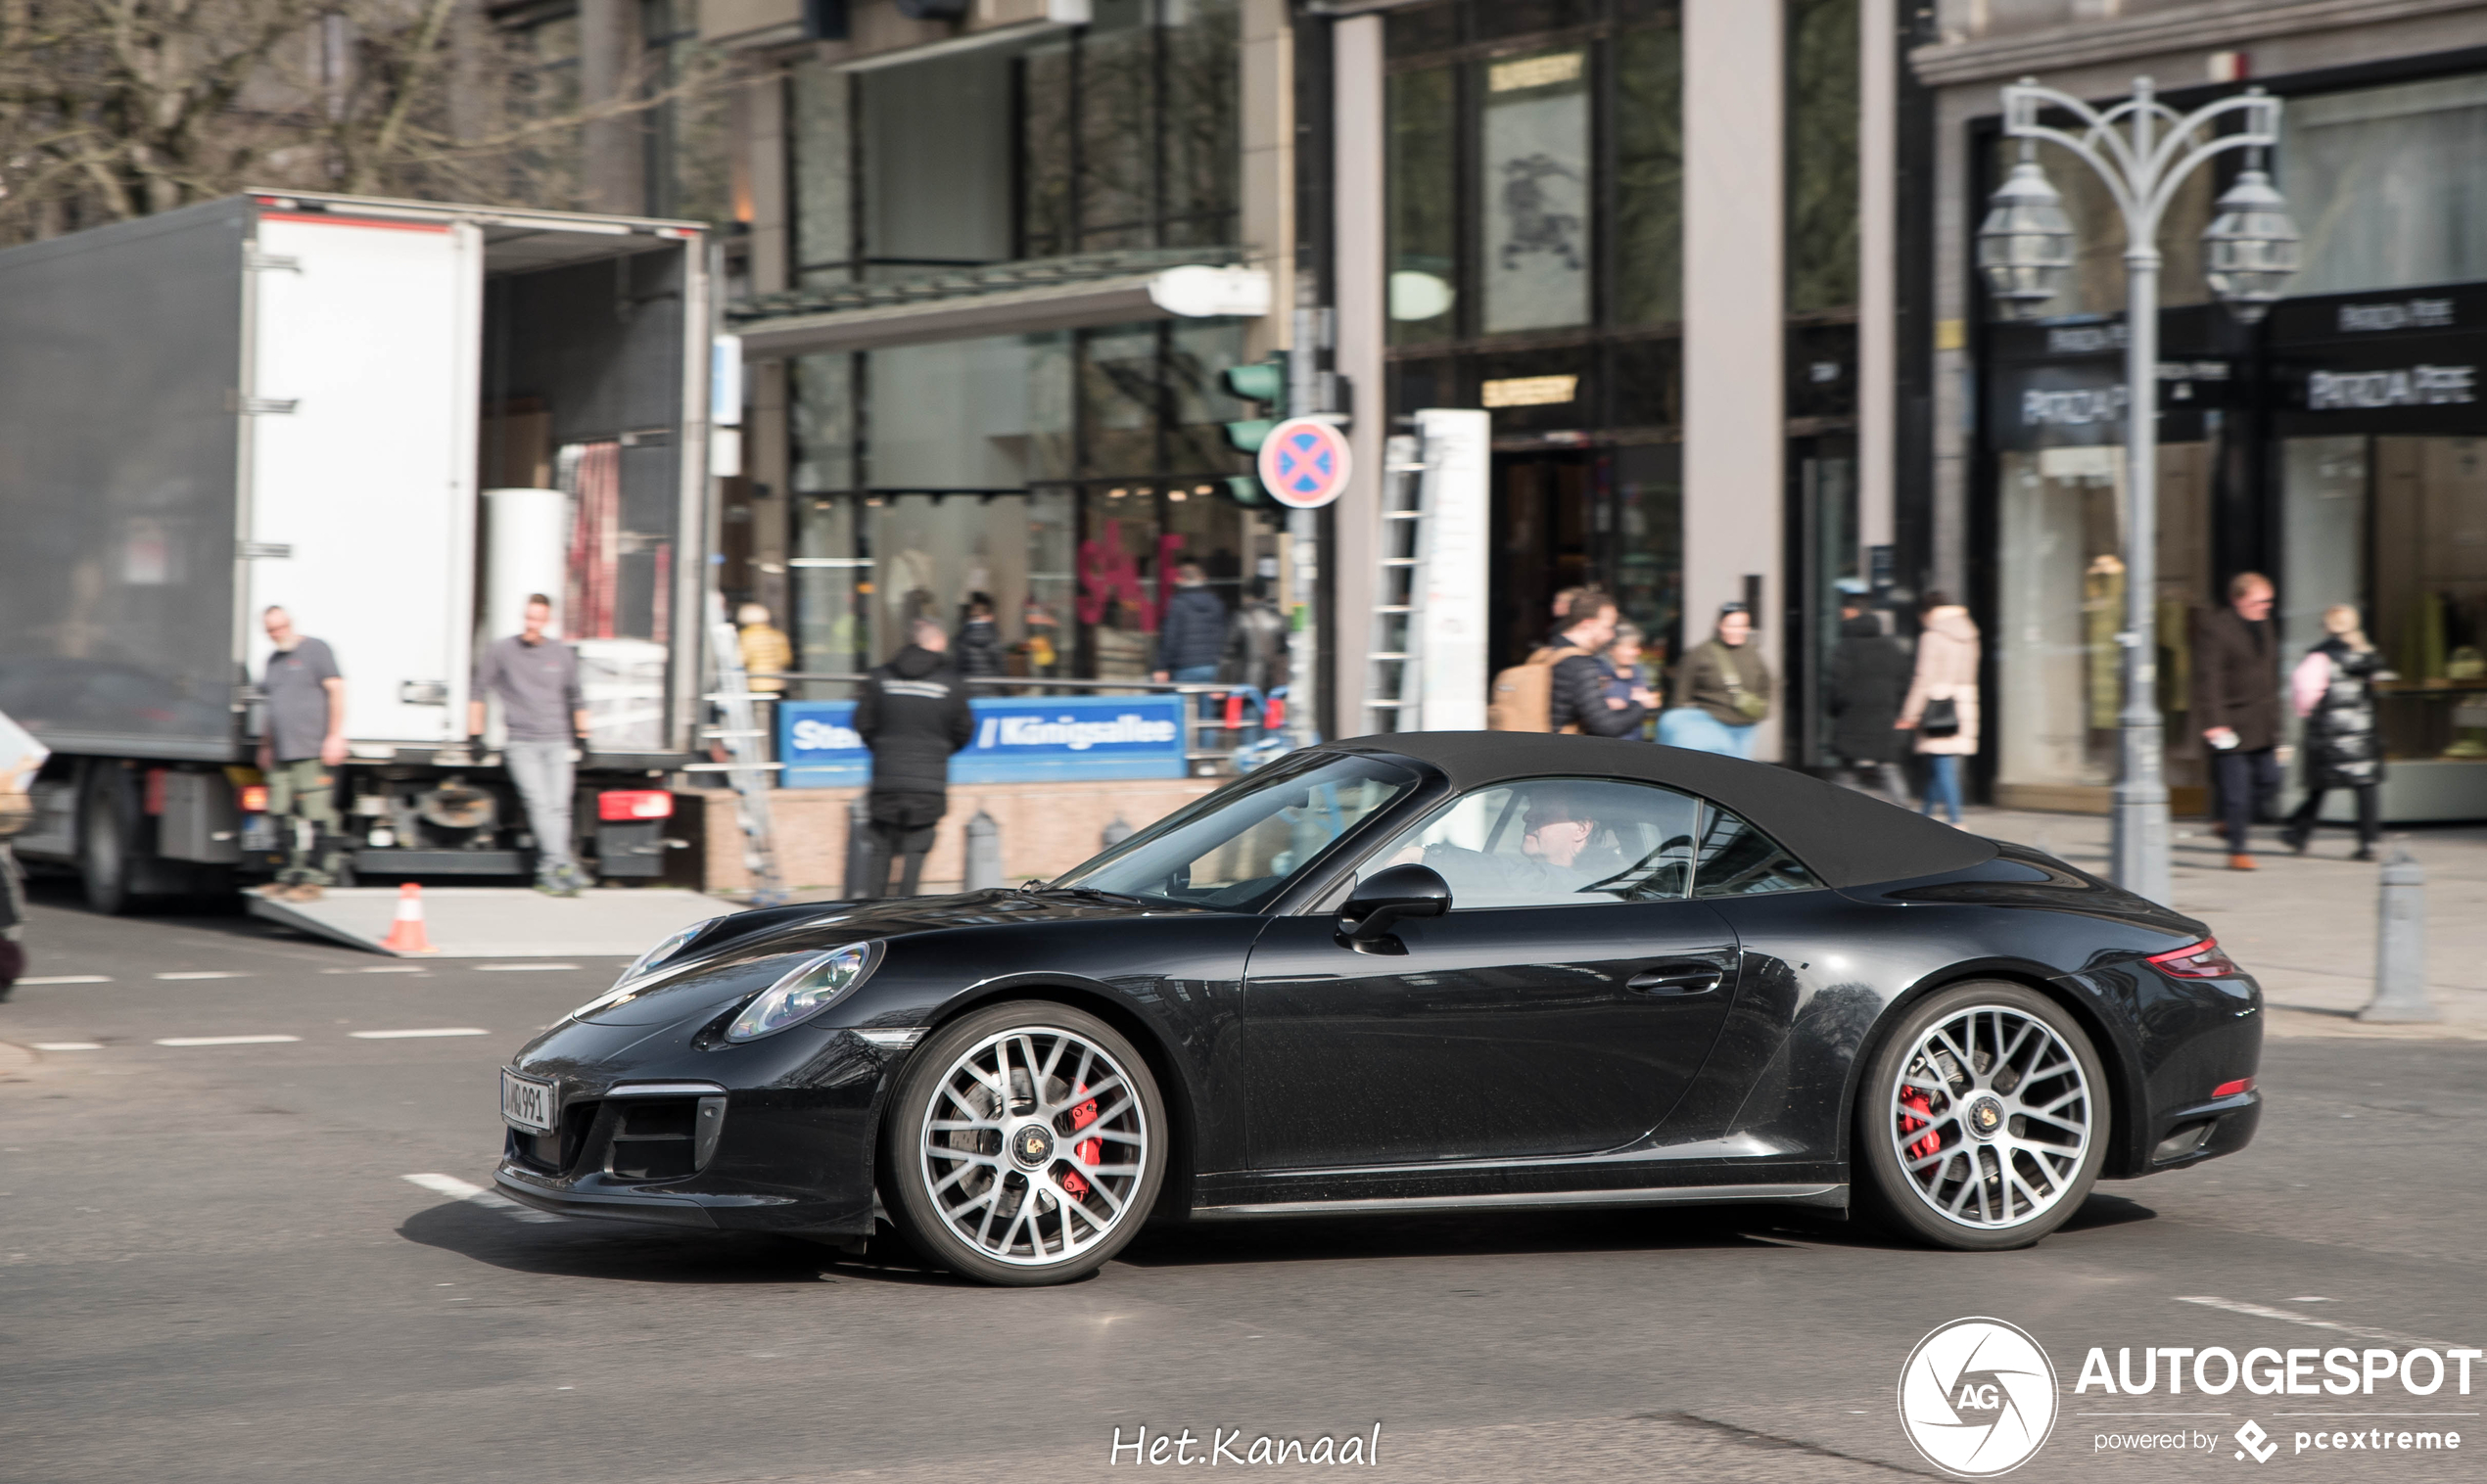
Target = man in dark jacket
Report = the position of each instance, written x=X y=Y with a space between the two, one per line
x=2236 y=706
x=1193 y=633
x=981 y=641
x=1869 y=676
x=912 y=713
x=1577 y=687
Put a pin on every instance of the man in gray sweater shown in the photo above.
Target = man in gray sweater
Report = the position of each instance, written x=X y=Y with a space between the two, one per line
x=536 y=677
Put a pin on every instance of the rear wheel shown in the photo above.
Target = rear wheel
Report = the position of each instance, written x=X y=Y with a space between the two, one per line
x=107 y=844
x=1983 y=1118
x=1026 y=1146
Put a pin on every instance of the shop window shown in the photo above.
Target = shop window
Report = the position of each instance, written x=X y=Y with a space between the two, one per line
x=1649 y=169
x=2389 y=185
x=1533 y=179
x=1821 y=150
x=1423 y=206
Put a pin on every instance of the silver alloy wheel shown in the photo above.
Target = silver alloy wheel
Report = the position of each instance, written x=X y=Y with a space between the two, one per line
x=1991 y=1117
x=1032 y=1146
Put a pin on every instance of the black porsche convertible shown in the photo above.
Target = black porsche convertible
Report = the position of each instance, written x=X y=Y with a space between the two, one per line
x=1420 y=972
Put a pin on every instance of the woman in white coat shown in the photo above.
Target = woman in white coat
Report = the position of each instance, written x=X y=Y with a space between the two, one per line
x=1942 y=708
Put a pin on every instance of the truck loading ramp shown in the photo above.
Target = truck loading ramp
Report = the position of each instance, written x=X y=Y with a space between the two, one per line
x=501 y=922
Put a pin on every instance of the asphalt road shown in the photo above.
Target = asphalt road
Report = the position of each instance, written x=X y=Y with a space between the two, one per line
x=214 y=1265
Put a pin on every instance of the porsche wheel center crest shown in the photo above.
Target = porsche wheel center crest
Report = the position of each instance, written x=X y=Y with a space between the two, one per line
x=1985 y=1117
x=1032 y=1146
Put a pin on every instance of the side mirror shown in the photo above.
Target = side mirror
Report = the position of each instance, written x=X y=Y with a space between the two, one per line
x=1386 y=896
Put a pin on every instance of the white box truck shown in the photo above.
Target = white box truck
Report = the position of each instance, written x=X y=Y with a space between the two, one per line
x=309 y=401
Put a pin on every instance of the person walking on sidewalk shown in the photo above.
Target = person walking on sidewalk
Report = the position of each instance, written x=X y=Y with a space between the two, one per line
x=1578 y=699
x=1722 y=690
x=980 y=648
x=2333 y=690
x=1627 y=678
x=542 y=712
x=912 y=712
x=1255 y=651
x=1193 y=633
x=1869 y=676
x=300 y=753
x=1942 y=708
x=2236 y=706
x=767 y=653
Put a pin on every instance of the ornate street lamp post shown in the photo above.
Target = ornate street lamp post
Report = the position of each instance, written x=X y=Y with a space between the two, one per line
x=2143 y=149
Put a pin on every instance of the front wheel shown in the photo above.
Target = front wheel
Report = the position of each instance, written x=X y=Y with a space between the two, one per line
x=1983 y=1118
x=1026 y=1144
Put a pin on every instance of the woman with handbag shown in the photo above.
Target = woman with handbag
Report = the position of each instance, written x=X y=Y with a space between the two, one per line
x=1942 y=708
x=1722 y=690
x=2334 y=689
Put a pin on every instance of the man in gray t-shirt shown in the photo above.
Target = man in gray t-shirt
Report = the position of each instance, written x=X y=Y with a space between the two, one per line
x=536 y=677
x=300 y=750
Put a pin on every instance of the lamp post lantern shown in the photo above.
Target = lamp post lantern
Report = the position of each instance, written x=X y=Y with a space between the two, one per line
x=2143 y=149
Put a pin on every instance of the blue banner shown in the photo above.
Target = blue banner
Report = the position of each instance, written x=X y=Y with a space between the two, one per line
x=1019 y=739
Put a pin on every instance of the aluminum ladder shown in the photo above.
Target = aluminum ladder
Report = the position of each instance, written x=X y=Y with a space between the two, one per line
x=739 y=734
x=1394 y=661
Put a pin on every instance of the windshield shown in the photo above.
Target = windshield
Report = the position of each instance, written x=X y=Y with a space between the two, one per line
x=1237 y=849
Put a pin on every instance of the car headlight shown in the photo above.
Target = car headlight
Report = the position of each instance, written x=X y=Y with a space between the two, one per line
x=810 y=987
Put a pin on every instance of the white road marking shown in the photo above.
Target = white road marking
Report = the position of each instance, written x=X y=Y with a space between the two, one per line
x=2265 y=1311
x=520 y=968
x=411 y=1035
x=457 y=1189
x=69 y=979
x=68 y=1045
x=383 y=968
x=203 y=974
x=223 y=1040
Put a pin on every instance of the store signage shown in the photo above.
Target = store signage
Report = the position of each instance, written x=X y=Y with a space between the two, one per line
x=2084 y=340
x=1018 y=739
x=2419 y=385
x=2409 y=314
x=1306 y=462
x=1529 y=392
x=2076 y=407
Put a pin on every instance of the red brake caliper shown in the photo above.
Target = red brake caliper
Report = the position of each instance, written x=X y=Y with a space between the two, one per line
x=1915 y=1098
x=1089 y=1150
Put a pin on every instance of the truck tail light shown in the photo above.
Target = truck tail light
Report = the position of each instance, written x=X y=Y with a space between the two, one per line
x=255 y=799
x=2199 y=960
x=634 y=803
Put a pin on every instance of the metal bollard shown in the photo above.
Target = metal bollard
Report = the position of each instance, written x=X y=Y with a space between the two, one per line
x=2399 y=945
x=984 y=854
x=859 y=851
x=1117 y=832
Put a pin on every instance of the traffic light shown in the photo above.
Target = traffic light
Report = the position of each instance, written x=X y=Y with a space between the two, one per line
x=1263 y=381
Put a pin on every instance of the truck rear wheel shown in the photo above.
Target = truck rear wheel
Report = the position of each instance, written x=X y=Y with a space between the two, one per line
x=107 y=847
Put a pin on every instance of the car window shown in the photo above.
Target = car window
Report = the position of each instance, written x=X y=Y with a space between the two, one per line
x=1236 y=849
x=1739 y=860
x=1556 y=842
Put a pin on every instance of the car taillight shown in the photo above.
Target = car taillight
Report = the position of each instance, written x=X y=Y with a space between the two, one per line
x=2232 y=1089
x=2200 y=960
x=634 y=803
x=255 y=799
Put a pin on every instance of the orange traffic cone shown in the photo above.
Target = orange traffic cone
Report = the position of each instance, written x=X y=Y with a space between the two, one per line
x=406 y=934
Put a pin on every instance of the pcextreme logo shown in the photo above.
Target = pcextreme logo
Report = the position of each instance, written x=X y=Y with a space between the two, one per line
x=1977 y=1397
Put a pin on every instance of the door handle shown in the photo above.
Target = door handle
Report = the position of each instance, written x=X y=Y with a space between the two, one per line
x=1676 y=979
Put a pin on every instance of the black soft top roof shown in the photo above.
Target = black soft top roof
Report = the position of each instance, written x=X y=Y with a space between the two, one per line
x=1846 y=838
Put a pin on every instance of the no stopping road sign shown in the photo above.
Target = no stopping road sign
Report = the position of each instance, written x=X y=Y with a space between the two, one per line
x=1305 y=463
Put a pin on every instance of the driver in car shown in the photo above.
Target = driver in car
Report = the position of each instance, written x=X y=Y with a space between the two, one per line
x=1554 y=861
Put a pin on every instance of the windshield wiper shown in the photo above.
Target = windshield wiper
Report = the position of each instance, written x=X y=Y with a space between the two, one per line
x=1097 y=893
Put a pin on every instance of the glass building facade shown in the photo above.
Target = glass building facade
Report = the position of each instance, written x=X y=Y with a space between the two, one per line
x=1059 y=475
x=2338 y=447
